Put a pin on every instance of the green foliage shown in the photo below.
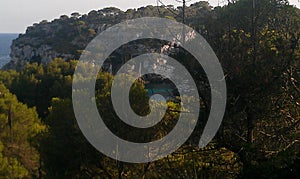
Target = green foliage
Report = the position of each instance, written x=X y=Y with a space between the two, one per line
x=37 y=82
x=259 y=137
x=11 y=167
x=18 y=127
x=60 y=145
x=262 y=116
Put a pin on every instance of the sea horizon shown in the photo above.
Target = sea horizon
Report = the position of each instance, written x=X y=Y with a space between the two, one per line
x=5 y=43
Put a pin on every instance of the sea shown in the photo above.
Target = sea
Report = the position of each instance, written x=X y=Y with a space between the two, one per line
x=5 y=43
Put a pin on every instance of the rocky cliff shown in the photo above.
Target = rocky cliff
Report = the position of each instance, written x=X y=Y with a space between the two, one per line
x=66 y=37
x=63 y=38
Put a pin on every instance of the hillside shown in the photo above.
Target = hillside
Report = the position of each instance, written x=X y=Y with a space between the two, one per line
x=258 y=48
x=67 y=36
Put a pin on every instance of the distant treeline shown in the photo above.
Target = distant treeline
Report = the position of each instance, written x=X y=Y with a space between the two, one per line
x=260 y=133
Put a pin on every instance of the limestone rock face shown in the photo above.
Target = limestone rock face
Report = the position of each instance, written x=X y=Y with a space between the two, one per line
x=21 y=54
x=66 y=37
x=62 y=38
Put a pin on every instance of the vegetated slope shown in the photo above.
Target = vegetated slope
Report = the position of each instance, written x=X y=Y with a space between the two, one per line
x=67 y=36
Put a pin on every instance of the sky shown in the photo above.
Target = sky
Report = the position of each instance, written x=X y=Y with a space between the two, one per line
x=17 y=15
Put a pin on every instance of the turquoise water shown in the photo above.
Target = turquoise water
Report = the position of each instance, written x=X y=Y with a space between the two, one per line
x=159 y=91
x=164 y=89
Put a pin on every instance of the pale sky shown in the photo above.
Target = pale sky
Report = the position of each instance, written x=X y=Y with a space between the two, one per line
x=16 y=15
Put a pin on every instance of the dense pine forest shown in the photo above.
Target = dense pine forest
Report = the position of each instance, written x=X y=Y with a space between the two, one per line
x=260 y=133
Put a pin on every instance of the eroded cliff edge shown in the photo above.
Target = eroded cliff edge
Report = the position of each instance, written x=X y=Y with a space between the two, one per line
x=65 y=37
